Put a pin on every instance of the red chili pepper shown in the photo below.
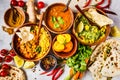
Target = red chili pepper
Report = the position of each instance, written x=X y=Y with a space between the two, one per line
x=43 y=73
x=59 y=74
x=108 y=11
x=53 y=71
x=106 y=6
x=101 y=2
x=87 y=3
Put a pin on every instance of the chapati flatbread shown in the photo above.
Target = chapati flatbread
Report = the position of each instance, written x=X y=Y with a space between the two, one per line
x=15 y=74
x=106 y=59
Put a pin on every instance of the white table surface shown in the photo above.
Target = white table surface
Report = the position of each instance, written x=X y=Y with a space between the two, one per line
x=5 y=39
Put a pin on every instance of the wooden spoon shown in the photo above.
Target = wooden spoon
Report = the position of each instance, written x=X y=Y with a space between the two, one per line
x=79 y=9
x=39 y=28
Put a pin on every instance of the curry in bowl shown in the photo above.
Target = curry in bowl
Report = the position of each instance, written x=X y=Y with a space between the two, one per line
x=88 y=33
x=27 y=46
x=14 y=18
x=56 y=20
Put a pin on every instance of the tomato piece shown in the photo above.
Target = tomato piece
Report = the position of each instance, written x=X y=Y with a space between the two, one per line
x=5 y=66
x=12 y=52
x=14 y=2
x=1 y=59
x=8 y=59
x=21 y=3
x=4 y=52
x=40 y=4
x=3 y=73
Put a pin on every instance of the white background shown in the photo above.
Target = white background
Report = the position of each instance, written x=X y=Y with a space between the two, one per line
x=5 y=39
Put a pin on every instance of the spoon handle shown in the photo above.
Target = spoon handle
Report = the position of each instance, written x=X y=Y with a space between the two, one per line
x=67 y=5
x=39 y=27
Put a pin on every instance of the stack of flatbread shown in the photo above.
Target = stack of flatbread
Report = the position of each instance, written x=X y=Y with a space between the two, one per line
x=106 y=58
x=15 y=74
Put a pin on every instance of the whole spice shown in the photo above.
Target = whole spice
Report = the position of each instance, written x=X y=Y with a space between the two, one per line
x=101 y=2
x=58 y=74
x=53 y=71
x=43 y=72
x=108 y=11
x=106 y=6
x=87 y=3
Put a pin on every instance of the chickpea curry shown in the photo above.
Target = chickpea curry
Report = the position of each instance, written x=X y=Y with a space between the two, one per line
x=32 y=50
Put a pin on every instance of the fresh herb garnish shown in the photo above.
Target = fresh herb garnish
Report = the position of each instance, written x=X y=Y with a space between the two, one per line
x=57 y=21
x=78 y=61
x=38 y=49
x=31 y=29
x=56 y=25
x=60 y=20
x=53 y=19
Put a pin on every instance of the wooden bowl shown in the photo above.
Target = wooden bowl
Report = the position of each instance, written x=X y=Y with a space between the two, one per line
x=17 y=21
x=16 y=43
x=107 y=32
x=66 y=54
x=56 y=20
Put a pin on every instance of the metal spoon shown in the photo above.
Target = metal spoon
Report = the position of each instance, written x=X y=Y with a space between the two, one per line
x=66 y=7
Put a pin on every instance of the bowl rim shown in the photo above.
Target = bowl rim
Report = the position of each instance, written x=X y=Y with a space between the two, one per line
x=74 y=40
x=108 y=29
x=13 y=47
x=19 y=9
x=53 y=31
x=49 y=55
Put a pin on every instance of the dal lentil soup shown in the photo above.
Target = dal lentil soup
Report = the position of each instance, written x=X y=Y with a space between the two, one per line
x=56 y=19
x=30 y=49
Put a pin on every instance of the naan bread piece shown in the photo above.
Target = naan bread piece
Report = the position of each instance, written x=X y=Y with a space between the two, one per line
x=95 y=70
x=96 y=67
x=15 y=74
x=96 y=52
x=110 y=68
x=99 y=19
x=106 y=59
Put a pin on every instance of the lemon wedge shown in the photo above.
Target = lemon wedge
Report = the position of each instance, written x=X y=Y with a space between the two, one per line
x=80 y=27
x=28 y=65
x=18 y=61
x=115 y=32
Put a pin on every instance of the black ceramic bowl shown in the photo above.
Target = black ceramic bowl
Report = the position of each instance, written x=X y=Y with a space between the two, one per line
x=48 y=63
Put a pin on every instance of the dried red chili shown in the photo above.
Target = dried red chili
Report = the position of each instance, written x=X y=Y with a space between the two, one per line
x=101 y=2
x=53 y=71
x=59 y=74
x=87 y=3
x=108 y=11
x=106 y=6
x=43 y=73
